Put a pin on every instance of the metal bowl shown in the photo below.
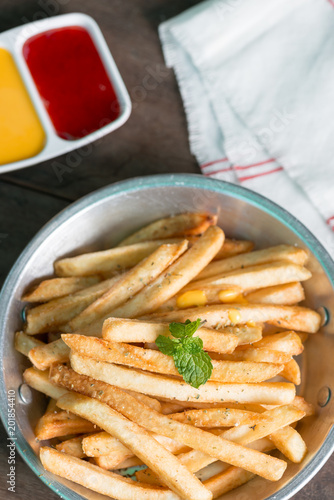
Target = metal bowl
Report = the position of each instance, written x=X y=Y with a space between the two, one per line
x=103 y=218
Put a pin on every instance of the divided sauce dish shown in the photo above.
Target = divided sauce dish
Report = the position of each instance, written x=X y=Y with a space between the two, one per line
x=60 y=89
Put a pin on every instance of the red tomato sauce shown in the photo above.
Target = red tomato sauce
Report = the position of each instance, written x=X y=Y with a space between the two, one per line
x=72 y=81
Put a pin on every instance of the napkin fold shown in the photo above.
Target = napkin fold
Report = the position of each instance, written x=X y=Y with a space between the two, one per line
x=257 y=83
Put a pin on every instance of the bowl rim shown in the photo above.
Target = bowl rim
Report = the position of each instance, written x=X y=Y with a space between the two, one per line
x=196 y=181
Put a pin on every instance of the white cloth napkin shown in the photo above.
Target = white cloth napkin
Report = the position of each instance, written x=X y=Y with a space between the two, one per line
x=257 y=82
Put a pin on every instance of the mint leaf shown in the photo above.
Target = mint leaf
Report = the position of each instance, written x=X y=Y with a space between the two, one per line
x=195 y=368
x=178 y=330
x=186 y=329
x=190 y=360
x=192 y=326
x=165 y=344
x=192 y=344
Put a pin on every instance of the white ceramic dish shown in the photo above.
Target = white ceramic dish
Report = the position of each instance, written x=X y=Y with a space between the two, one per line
x=13 y=41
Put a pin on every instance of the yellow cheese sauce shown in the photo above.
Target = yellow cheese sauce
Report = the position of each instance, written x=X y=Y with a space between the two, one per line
x=21 y=133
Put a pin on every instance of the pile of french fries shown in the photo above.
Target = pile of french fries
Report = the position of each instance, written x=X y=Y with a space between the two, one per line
x=116 y=401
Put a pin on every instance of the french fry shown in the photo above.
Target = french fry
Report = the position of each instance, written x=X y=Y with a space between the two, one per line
x=46 y=355
x=170 y=444
x=161 y=461
x=146 y=400
x=273 y=420
x=212 y=471
x=277 y=348
x=290 y=443
x=289 y=317
x=304 y=406
x=126 y=330
x=179 y=274
x=229 y=478
x=129 y=462
x=168 y=408
x=158 y=385
x=291 y=372
x=199 y=297
x=191 y=436
x=98 y=480
x=254 y=277
x=106 y=261
x=58 y=287
x=112 y=461
x=59 y=311
x=231 y=248
x=72 y=447
x=253 y=407
x=24 y=343
x=277 y=418
x=251 y=436
x=246 y=334
x=255 y=354
x=211 y=337
x=131 y=283
x=103 y=444
x=181 y=225
x=268 y=255
x=288 y=342
x=286 y=295
x=39 y=380
x=218 y=417
x=157 y=362
x=61 y=423
x=263 y=444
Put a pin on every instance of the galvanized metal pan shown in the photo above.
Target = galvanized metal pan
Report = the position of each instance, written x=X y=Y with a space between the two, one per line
x=103 y=218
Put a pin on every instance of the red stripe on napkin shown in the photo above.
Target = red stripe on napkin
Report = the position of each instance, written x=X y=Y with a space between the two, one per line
x=239 y=167
x=218 y=171
x=248 y=177
x=330 y=222
x=210 y=163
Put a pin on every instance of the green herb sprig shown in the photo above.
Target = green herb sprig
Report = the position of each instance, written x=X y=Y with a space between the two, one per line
x=190 y=360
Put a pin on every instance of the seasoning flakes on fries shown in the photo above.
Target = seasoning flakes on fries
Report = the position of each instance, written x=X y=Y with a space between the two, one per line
x=170 y=361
